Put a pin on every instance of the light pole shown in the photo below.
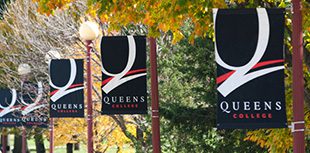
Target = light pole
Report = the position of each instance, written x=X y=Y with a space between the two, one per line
x=51 y=135
x=23 y=71
x=52 y=54
x=88 y=32
x=155 y=102
x=298 y=124
x=4 y=140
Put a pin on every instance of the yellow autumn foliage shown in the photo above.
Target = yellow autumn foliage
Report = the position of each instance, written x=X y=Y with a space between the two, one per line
x=160 y=15
x=157 y=15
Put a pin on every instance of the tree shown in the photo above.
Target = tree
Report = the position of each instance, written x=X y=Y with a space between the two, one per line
x=26 y=36
x=164 y=15
x=188 y=105
x=170 y=17
x=18 y=46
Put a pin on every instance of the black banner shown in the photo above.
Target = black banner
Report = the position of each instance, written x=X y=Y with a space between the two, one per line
x=9 y=108
x=33 y=108
x=250 y=70
x=124 y=75
x=66 y=88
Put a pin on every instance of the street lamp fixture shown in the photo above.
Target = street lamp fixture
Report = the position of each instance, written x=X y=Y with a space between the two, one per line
x=23 y=69
x=52 y=54
x=89 y=31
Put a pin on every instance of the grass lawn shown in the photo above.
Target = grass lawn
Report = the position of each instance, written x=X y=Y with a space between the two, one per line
x=62 y=149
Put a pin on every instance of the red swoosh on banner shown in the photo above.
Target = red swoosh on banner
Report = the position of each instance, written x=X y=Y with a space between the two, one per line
x=223 y=77
x=72 y=86
x=24 y=107
x=17 y=106
x=128 y=73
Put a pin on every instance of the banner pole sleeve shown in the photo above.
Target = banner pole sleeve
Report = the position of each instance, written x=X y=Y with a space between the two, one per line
x=24 y=140
x=89 y=100
x=4 y=140
x=155 y=102
x=51 y=135
x=298 y=81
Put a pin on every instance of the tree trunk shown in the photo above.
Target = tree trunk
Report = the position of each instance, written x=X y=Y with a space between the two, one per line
x=140 y=141
x=38 y=138
x=118 y=149
x=18 y=144
x=69 y=148
x=4 y=139
x=77 y=146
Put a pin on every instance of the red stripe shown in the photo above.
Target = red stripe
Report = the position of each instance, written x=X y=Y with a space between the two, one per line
x=72 y=86
x=223 y=77
x=17 y=106
x=135 y=71
x=261 y=64
x=128 y=73
x=106 y=80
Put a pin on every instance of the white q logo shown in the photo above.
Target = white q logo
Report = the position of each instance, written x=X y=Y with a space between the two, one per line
x=240 y=74
x=36 y=105
x=62 y=91
x=119 y=79
x=9 y=108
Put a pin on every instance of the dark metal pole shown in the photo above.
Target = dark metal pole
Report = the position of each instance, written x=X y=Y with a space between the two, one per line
x=155 y=103
x=89 y=100
x=298 y=81
x=24 y=140
x=51 y=135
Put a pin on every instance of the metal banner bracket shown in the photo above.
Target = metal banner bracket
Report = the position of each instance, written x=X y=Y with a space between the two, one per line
x=293 y=126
